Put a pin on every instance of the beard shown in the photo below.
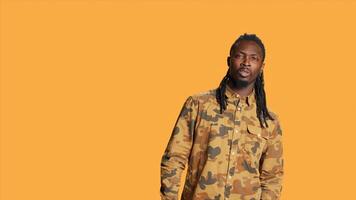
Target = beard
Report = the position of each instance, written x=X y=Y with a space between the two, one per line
x=237 y=83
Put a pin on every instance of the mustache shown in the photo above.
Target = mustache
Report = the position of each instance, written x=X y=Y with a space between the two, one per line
x=244 y=68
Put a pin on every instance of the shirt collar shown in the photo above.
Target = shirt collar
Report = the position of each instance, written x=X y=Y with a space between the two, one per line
x=232 y=96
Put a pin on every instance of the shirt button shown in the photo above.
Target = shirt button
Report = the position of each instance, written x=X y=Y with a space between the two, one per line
x=236 y=131
x=233 y=153
x=239 y=108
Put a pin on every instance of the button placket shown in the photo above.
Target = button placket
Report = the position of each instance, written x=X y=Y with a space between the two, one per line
x=233 y=150
x=239 y=108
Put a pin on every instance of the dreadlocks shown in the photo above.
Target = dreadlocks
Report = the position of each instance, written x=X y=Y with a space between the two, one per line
x=260 y=95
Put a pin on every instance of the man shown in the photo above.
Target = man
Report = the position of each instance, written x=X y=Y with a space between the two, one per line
x=231 y=141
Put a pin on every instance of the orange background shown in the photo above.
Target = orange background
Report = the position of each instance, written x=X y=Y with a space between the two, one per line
x=90 y=90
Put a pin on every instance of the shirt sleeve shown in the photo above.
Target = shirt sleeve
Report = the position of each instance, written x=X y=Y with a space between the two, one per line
x=271 y=172
x=178 y=149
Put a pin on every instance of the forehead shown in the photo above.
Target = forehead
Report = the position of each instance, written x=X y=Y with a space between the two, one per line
x=248 y=47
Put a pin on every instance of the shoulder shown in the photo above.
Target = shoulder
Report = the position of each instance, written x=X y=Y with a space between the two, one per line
x=274 y=115
x=204 y=96
x=197 y=99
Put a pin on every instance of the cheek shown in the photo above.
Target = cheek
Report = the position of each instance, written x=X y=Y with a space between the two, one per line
x=255 y=73
x=233 y=70
x=255 y=67
x=236 y=62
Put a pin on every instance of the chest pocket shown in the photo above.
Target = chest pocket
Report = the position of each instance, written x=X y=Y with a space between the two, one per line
x=254 y=141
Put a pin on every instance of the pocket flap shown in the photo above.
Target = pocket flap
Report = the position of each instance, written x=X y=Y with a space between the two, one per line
x=258 y=131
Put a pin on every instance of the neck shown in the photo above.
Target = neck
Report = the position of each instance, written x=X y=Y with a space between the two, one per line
x=241 y=90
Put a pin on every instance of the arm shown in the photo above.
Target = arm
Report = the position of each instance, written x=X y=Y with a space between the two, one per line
x=271 y=172
x=177 y=151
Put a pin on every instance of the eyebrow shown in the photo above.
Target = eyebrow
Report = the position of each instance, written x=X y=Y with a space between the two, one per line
x=253 y=54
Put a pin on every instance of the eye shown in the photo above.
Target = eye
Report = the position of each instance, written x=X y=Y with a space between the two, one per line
x=254 y=58
x=239 y=55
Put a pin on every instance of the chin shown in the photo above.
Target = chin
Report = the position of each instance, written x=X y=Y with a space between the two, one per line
x=241 y=82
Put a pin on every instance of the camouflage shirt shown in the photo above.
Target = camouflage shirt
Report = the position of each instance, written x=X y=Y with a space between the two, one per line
x=229 y=155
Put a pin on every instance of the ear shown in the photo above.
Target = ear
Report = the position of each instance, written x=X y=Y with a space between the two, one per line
x=263 y=65
x=228 y=61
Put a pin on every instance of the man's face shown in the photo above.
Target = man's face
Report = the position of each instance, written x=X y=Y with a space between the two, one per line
x=245 y=63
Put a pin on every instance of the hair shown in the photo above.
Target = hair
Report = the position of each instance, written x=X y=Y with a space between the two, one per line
x=260 y=94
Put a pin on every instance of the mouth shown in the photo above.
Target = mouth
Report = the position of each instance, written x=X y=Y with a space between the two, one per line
x=243 y=72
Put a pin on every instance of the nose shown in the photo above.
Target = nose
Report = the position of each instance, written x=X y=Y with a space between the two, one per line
x=245 y=61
